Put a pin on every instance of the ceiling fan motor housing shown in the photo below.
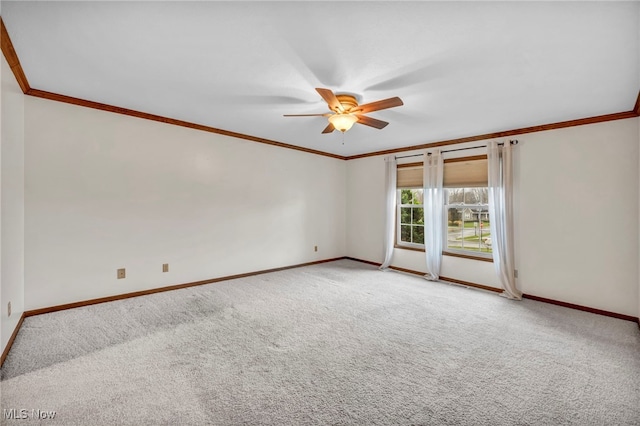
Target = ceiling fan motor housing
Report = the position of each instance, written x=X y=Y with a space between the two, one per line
x=348 y=102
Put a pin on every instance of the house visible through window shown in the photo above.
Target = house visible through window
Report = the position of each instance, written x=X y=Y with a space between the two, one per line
x=467 y=217
x=468 y=227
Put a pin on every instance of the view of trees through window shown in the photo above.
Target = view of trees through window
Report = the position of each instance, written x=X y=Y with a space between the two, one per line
x=411 y=217
x=467 y=219
x=468 y=224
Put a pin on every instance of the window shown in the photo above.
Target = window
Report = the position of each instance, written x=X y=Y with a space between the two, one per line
x=466 y=203
x=410 y=217
x=468 y=228
x=467 y=217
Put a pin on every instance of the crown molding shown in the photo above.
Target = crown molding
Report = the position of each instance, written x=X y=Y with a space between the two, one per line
x=12 y=58
x=13 y=61
x=506 y=133
x=138 y=114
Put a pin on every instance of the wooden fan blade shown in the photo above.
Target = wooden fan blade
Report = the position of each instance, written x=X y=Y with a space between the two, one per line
x=331 y=99
x=329 y=128
x=378 y=105
x=306 y=115
x=368 y=121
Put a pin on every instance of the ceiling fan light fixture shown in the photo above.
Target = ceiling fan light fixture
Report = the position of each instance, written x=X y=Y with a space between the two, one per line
x=342 y=122
x=345 y=111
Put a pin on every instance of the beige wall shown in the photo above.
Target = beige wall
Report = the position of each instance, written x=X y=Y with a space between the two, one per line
x=576 y=208
x=106 y=191
x=11 y=203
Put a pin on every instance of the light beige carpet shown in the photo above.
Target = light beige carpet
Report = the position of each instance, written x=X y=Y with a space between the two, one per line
x=337 y=343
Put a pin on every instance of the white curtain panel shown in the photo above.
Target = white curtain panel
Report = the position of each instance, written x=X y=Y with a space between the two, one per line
x=389 y=210
x=433 y=213
x=501 y=214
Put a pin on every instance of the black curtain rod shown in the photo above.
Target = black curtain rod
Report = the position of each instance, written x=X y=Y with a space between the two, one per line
x=513 y=142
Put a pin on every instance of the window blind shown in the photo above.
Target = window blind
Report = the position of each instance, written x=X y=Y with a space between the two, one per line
x=409 y=175
x=466 y=172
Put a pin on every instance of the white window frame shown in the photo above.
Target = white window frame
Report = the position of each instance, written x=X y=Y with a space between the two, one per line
x=456 y=250
x=399 y=242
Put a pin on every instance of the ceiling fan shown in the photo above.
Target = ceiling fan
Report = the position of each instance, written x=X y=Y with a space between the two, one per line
x=345 y=111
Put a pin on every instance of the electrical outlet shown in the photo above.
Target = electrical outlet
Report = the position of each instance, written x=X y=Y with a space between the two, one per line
x=121 y=273
x=515 y=273
x=165 y=267
x=315 y=248
x=9 y=309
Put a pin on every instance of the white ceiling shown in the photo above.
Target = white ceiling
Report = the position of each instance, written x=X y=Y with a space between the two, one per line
x=461 y=68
